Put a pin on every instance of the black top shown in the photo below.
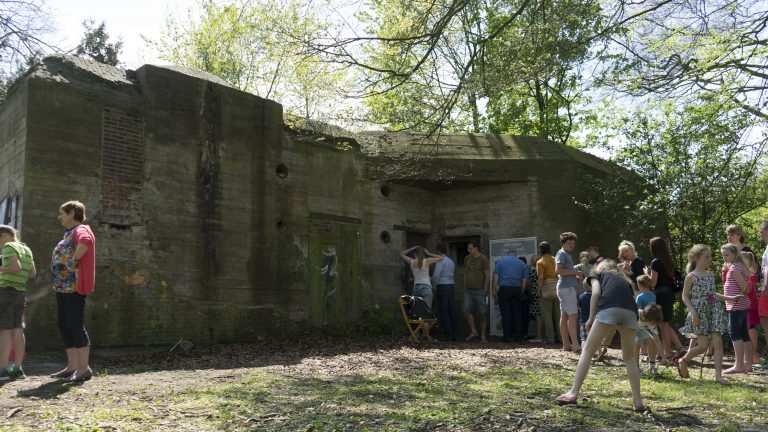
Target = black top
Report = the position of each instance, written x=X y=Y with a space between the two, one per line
x=638 y=268
x=663 y=280
x=615 y=291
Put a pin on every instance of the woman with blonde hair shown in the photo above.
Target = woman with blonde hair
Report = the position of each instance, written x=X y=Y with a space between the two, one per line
x=735 y=236
x=612 y=307
x=629 y=262
x=422 y=283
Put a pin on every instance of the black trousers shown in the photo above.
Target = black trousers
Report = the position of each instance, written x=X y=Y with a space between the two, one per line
x=71 y=308
x=446 y=314
x=511 y=308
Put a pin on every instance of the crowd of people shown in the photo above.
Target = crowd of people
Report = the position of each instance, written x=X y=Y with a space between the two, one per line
x=591 y=301
x=73 y=265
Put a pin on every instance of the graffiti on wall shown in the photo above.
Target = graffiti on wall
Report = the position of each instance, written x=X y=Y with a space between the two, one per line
x=9 y=208
x=328 y=273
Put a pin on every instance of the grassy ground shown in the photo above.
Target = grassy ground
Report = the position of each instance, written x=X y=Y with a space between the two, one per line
x=377 y=386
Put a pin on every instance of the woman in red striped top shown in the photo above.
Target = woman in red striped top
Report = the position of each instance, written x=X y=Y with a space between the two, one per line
x=735 y=284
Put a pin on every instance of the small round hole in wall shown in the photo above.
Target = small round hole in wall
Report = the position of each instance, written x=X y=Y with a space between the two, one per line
x=385 y=237
x=281 y=170
x=281 y=226
x=384 y=190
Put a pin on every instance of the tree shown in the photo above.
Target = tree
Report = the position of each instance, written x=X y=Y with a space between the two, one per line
x=687 y=47
x=95 y=44
x=494 y=68
x=702 y=166
x=533 y=69
x=460 y=54
x=23 y=23
x=257 y=47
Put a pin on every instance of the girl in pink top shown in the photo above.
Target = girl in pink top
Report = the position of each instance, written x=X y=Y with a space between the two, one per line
x=753 y=318
x=735 y=284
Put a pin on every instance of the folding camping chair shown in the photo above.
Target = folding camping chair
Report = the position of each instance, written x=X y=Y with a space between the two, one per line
x=415 y=323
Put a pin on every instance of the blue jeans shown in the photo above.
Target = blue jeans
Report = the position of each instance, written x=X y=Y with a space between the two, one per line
x=446 y=314
x=424 y=291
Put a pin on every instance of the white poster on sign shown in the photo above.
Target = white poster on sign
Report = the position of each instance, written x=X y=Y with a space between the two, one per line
x=525 y=247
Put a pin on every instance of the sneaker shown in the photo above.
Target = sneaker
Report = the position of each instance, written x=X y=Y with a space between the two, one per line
x=17 y=374
x=5 y=375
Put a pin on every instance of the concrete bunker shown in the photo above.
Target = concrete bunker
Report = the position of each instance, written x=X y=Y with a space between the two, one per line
x=219 y=221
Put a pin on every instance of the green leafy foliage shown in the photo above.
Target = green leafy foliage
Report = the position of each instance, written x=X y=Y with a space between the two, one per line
x=702 y=166
x=96 y=46
x=682 y=48
x=23 y=24
x=257 y=47
x=479 y=66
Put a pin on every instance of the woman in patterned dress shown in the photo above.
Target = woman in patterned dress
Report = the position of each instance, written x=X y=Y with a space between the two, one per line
x=706 y=314
x=533 y=303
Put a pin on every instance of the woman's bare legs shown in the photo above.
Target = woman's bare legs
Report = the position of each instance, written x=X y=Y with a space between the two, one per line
x=633 y=373
x=598 y=332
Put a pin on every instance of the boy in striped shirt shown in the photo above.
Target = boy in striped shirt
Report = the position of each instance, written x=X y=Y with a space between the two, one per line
x=17 y=266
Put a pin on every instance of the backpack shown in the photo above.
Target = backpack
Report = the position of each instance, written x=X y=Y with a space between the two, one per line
x=418 y=309
x=677 y=282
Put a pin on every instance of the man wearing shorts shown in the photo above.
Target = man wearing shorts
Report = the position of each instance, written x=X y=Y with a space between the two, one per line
x=477 y=269
x=567 y=284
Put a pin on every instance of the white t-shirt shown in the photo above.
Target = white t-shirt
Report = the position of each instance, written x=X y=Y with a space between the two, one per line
x=421 y=275
x=765 y=268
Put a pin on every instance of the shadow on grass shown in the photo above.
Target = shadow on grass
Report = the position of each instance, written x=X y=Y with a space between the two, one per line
x=49 y=390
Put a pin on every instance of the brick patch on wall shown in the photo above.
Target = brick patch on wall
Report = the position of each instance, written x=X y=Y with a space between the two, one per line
x=122 y=162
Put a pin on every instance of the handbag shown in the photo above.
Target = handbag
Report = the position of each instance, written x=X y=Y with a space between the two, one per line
x=548 y=290
x=677 y=282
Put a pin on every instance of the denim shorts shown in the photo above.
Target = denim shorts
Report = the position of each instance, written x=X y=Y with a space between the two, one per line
x=569 y=304
x=737 y=325
x=621 y=317
x=474 y=303
x=642 y=335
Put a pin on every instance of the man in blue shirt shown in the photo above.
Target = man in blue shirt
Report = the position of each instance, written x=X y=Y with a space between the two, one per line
x=442 y=280
x=510 y=280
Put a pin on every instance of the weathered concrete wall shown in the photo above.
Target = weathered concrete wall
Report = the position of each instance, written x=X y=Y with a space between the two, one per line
x=13 y=118
x=221 y=245
x=404 y=209
x=218 y=222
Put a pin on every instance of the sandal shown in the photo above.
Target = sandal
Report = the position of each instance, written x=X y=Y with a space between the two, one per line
x=601 y=357
x=732 y=371
x=471 y=336
x=682 y=368
x=564 y=399
x=63 y=374
x=641 y=409
x=680 y=354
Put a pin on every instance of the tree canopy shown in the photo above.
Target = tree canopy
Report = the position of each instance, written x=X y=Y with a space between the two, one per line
x=257 y=47
x=23 y=24
x=96 y=46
